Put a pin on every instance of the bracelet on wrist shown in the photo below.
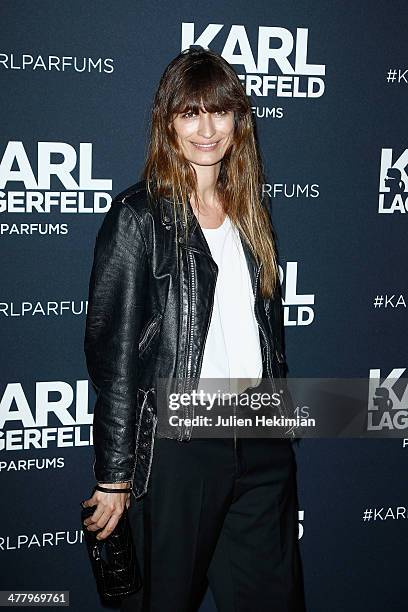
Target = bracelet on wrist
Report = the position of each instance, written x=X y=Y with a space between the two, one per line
x=98 y=487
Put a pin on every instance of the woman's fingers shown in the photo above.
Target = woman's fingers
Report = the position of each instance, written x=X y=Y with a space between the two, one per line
x=99 y=519
x=109 y=508
x=110 y=526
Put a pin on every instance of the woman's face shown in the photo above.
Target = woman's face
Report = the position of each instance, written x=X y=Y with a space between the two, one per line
x=204 y=137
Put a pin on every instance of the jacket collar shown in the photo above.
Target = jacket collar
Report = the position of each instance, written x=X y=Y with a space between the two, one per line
x=196 y=238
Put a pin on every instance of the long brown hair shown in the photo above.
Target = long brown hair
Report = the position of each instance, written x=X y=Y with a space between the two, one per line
x=199 y=77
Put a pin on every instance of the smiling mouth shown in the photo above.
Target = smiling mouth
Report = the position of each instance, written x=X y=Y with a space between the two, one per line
x=206 y=147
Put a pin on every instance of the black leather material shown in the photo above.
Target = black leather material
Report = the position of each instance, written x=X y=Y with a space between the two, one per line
x=149 y=307
x=113 y=560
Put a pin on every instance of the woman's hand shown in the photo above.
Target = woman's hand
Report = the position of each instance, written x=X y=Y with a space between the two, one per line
x=110 y=507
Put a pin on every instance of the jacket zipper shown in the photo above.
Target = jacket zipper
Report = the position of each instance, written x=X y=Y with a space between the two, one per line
x=192 y=314
x=190 y=327
x=200 y=361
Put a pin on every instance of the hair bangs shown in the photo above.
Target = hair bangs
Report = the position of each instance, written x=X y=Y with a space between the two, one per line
x=203 y=88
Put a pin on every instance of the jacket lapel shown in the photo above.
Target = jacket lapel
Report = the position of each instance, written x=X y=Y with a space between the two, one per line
x=196 y=238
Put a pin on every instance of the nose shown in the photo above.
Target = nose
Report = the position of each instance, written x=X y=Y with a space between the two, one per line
x=206 y=126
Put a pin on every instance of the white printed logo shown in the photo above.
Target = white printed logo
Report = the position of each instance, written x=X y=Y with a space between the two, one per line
x=59 y=180
x=393 y=186
x=297 y=307
x=31 y=427
x=268 y=68
x=386 y=409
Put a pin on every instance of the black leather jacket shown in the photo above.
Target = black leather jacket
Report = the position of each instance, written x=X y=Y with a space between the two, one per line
x=148 y=318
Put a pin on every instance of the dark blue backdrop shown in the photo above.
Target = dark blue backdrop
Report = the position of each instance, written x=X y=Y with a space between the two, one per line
x=342 y=242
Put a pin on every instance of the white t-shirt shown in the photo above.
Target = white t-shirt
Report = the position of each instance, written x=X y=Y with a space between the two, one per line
x=232 y=348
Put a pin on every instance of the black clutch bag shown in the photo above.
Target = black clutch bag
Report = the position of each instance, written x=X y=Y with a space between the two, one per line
x=113 y=559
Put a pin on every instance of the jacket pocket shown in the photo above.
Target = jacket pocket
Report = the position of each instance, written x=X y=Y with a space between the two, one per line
x=149 y=331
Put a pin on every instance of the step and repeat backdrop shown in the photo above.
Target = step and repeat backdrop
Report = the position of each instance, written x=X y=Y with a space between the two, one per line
x=328 y=83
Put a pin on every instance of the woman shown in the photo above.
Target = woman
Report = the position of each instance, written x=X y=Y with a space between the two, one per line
x=185 y=287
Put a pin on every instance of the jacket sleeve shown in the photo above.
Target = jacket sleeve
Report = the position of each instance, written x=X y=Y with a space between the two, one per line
x=274 y=304
x=114 y=318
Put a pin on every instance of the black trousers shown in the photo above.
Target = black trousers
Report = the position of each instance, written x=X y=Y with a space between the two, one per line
x=219 y=513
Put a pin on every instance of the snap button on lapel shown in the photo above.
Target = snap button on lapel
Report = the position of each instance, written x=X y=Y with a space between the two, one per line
x=166 y=219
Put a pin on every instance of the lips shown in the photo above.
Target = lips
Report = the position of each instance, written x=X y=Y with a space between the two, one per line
x=207 y=146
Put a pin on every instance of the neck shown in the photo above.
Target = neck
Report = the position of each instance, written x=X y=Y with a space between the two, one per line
x=206 y=180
